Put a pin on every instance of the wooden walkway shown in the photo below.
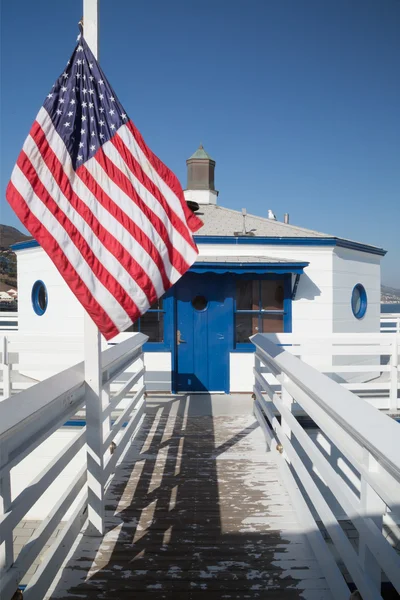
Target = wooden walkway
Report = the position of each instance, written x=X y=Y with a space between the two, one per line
x=197 y=510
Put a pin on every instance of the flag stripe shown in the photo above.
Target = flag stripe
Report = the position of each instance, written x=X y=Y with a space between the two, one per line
x=167 y=176
x=105 y=180
x=139 y=195
x=167 y=212
x=132 y=238
x=71 y=252
x=53 y=249
x=73 y=237
x=51 y=188
x=108 y=250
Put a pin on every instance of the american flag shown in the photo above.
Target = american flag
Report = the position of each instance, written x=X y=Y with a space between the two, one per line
x=110 y=215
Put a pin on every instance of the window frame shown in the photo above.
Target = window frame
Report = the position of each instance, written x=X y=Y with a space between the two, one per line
x=167 y=311
x=360 y=314
x=37 y=309
x=286 y=311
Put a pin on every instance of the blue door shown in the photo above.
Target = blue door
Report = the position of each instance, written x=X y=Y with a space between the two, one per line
x=204 y=315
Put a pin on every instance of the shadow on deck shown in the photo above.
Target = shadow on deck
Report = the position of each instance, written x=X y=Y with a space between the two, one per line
x=196 y=510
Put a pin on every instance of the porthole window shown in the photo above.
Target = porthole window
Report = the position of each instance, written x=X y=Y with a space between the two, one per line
x=199 y=303
x=39 y=298
x=359 y=301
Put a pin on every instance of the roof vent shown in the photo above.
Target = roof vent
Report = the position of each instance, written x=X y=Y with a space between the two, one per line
x=194 y=207
x=271 y=215
x=286 y=218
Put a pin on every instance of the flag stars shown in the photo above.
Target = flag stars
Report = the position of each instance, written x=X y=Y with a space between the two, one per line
x=93 y=134
x=124 y=117
x=84 y=104
x=73 y=101
x=101 y=82
x=49 y=95
x=112 y=111
x=63 y=89
x=101 y=136
x=112 y=126
x=91 y=92
x=81 y=144
x=112 y=98
x=80 y=157
x=101 y=109
x=78 y=75
x=102 y=123
x=91 y=77
x=70 y=113
x=65 y=75
x=93 y=147
x=79 y=61
x=67 y=124
x=92 y=119
x=83 y=117
x=83 y=131
x=58 y=111
x=90 y=65
x=101 y=96
x=91 y=104
x=61 y=101
x=80 y=48
x=84 y=91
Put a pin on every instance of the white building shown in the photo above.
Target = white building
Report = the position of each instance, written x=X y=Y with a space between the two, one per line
x=253 y=274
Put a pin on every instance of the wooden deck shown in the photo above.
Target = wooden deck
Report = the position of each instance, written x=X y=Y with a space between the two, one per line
x=197 y=510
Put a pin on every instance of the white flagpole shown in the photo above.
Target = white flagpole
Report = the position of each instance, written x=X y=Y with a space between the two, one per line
x=92 y=358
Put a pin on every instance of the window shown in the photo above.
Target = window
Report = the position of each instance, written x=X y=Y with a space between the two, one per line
x=259 y=308
x=151 y=323
x=39 y=298
x=359 y=301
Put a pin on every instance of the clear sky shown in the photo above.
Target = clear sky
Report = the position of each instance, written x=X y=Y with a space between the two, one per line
x=298 y=101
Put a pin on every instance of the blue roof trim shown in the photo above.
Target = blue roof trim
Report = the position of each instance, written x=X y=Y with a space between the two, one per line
x=278 y=241
x=240 y=268
x=288 y=241
x=24 y=245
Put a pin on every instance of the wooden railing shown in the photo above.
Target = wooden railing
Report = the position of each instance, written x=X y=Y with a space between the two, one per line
x=390 y=322
x=26 y=420
x=367 y=441
x=8 y=321
x=365 y=363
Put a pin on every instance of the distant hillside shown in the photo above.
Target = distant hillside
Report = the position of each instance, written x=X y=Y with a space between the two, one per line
x=390 y=295
x=10 y=235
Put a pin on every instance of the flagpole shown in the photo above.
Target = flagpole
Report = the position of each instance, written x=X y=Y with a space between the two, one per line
x=95 y=396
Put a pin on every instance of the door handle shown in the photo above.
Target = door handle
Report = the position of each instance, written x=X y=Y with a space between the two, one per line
x=179 y=339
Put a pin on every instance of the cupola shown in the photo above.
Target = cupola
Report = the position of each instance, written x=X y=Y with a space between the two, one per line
x=200 y=178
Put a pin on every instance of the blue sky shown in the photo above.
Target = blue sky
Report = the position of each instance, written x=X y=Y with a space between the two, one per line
x=296 y=100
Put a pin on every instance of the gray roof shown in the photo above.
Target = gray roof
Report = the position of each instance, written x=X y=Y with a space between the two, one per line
x=220 y=221
x=245 y=259
x=227 y=222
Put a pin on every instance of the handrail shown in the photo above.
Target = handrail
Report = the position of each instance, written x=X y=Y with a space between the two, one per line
x=29 y=418
x=366 y=438
x=390 y=322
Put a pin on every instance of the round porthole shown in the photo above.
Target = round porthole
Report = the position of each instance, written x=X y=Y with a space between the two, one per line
x=199 y=303
x=359 y=301
x=39 y=298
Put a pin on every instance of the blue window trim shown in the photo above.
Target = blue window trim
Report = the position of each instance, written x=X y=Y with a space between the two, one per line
x=245 y=268
x=167 y=310
x=248 y=347
x=278 y=241
x=363 y=301
x=35 y=298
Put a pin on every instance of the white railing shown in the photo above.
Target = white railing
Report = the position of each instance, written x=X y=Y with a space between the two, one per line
x=8 y=321
x=365 y=363
x=369 y=444
x=390 y=322
x=30 y=418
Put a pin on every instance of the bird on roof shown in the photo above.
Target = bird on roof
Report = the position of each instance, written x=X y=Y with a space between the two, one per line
x=271 y=215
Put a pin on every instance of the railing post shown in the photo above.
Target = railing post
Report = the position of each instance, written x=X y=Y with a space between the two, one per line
x=94 y=428
x=372 y=506
x=394 y=367
x=287 y=400
x=6 y=368
x=7 y=547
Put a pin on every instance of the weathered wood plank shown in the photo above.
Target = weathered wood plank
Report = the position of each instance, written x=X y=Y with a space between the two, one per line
x=197 y=510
